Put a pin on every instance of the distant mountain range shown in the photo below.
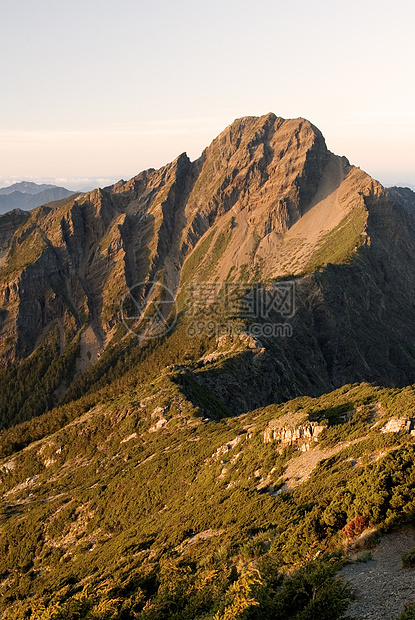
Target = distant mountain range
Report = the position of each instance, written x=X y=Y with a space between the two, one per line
x=27 y=195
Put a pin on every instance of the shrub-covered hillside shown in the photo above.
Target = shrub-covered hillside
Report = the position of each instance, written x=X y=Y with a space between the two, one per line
x=144 y=505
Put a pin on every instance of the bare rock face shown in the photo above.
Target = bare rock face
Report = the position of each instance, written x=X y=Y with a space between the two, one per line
x=9 y=223
x=404 y=196
x=302 y=436
x=265 y=200
x=75 y=261
x=397 y=425
x=269 y=166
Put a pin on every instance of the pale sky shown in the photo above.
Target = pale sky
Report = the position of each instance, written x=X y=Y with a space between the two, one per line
x=94 y=91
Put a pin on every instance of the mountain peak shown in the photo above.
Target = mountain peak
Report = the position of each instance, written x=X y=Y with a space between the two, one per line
x=151 y=336
x=265 y=200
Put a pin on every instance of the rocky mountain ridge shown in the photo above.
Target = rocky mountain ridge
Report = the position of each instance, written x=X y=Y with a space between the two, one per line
x=208 y=472
x=265 y=201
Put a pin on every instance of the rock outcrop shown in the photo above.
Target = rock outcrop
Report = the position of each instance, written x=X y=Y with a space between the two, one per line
x=398 y=425
x=302 y=436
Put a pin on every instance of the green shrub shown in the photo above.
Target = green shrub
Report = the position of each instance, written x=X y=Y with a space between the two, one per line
x=408 y=613
x=408 y=559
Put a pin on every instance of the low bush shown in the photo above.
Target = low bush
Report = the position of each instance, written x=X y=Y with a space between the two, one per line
x=355 y=526
x=408 y=559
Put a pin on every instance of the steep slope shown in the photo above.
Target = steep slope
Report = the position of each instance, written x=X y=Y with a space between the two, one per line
x=403 y=196
x=265 y=168
x=177 y=479
x=266 y=201
x=9 y=223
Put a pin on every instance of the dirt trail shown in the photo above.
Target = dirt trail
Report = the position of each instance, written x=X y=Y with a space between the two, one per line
x=382 y=587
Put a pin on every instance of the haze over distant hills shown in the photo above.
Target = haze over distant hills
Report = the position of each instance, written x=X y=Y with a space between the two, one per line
x=26 y=195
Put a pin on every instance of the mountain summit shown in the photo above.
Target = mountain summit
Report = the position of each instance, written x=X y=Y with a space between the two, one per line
x=265 y=201
x=189 y=426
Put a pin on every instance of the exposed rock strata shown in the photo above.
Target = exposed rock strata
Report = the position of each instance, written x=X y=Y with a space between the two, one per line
x=266 y=199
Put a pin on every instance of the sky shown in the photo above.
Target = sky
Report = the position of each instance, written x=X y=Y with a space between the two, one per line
x=94 y=91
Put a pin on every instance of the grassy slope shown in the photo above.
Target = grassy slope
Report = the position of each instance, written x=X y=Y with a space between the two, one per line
x=339 y=245
x=139 y=493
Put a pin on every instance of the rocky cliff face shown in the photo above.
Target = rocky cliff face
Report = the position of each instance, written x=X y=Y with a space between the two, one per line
x=302 y=436
x=404 y=196
x=74 y=262
x=9 y=223
x=265 y=200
